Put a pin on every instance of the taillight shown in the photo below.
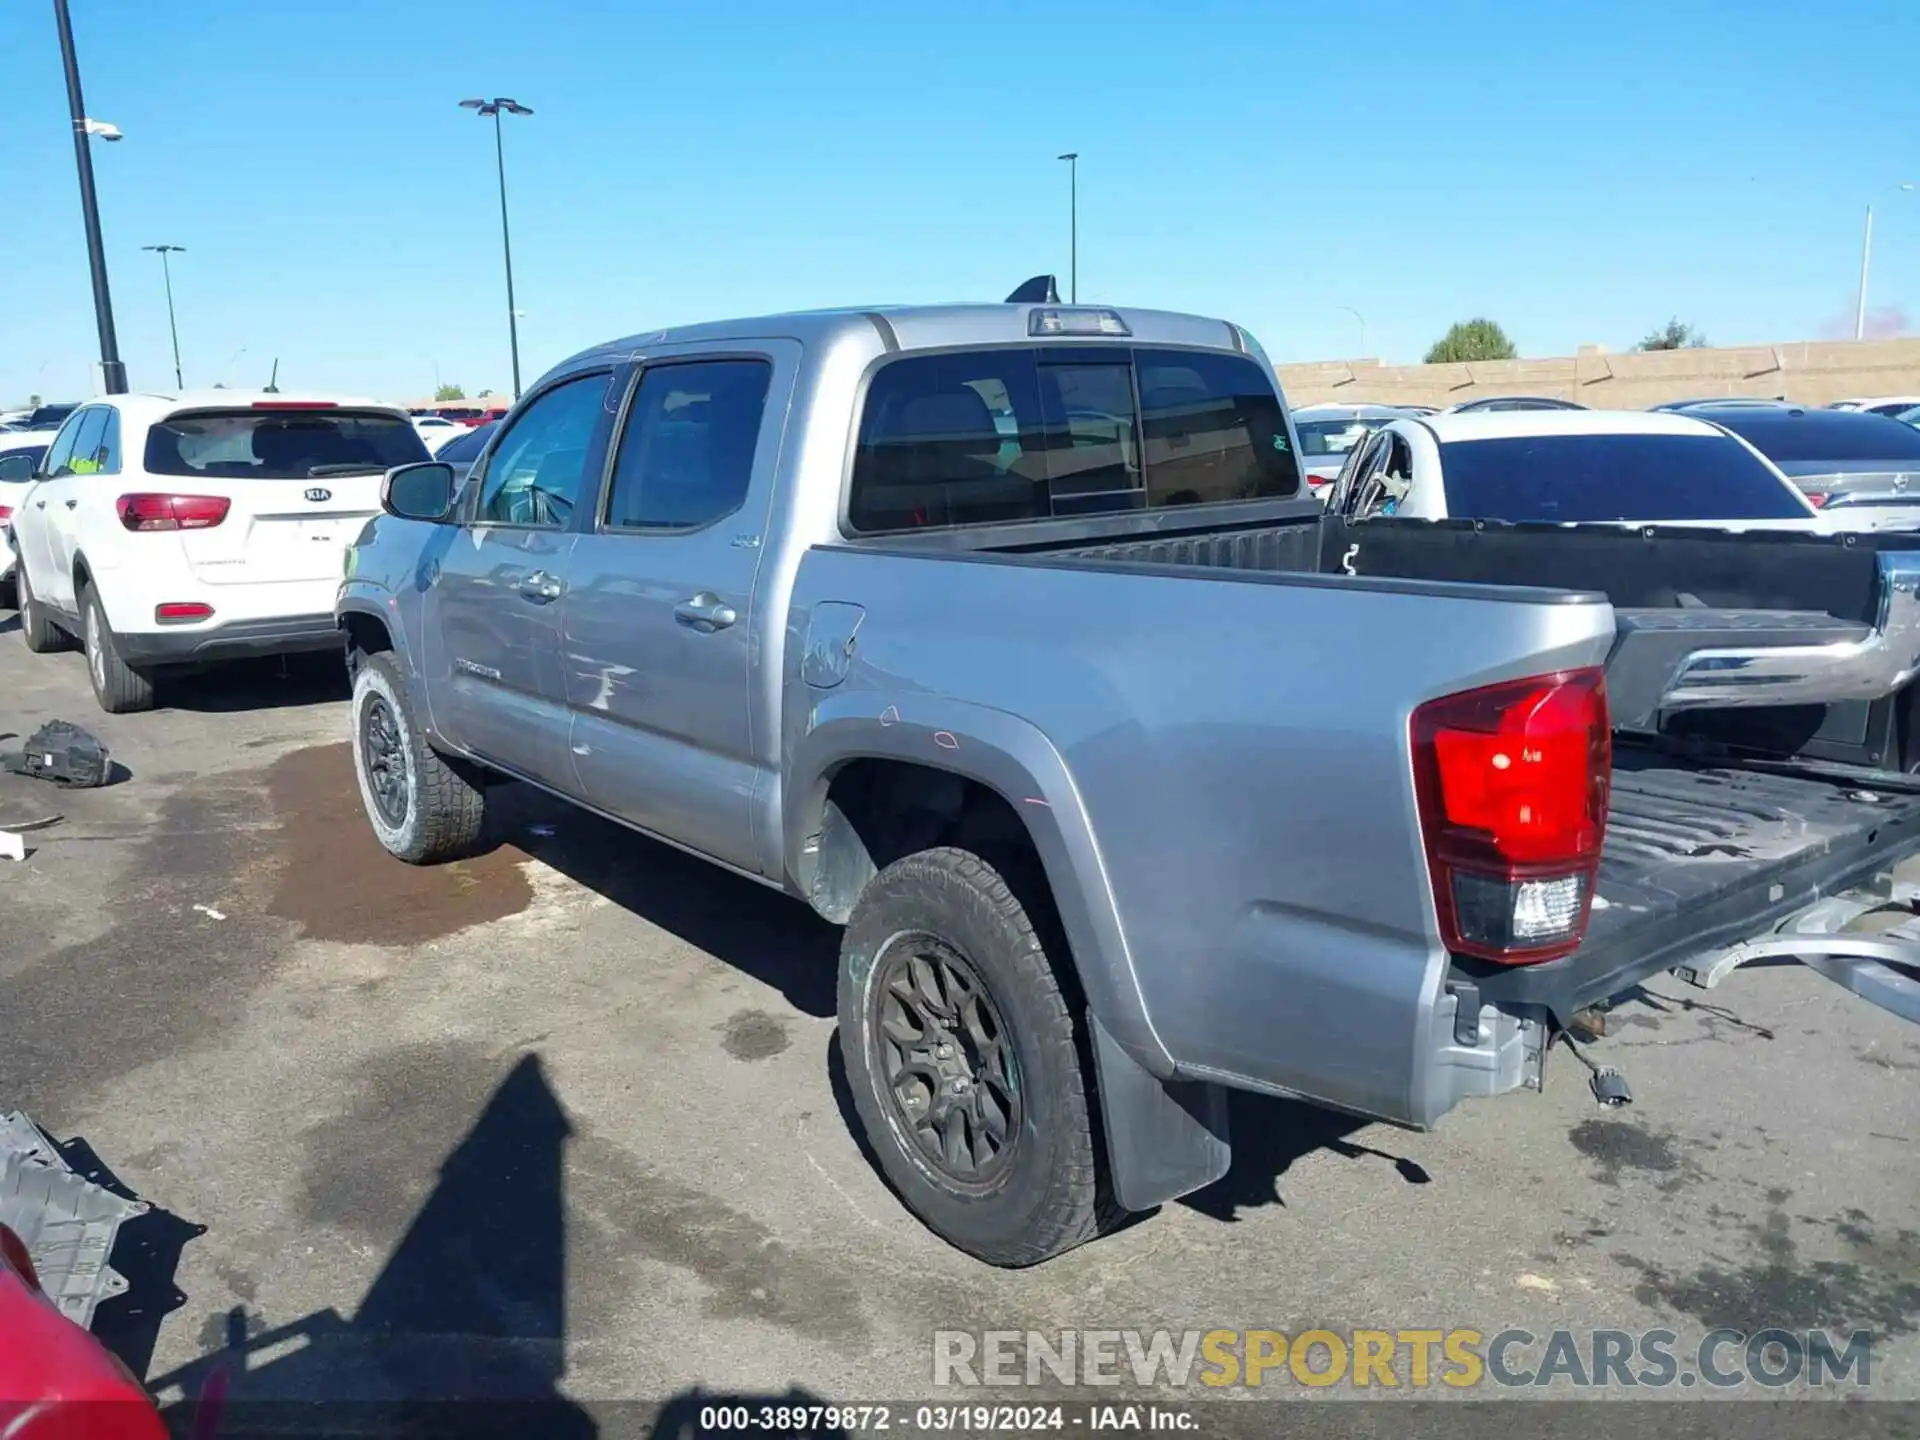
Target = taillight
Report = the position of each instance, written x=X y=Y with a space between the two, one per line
x=1815 y=498
x=1512 y=784
x=172 y=611
x=172 y=512
x=6 y=513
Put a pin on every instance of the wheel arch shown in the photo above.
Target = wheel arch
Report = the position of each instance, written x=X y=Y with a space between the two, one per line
x=877 y=777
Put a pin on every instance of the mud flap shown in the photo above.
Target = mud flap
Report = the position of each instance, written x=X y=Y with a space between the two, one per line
x=1165 y=1139
x=67 y=1223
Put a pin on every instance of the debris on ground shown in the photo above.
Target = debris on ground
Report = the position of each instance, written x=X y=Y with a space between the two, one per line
x=66 y=1223
x=60 y=752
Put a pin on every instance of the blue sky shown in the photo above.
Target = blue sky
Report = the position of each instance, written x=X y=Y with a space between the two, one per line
x=1577 y=173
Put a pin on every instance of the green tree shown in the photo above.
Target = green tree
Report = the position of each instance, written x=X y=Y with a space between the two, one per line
x=485 y=395
x=1674 y=335
x=449 y=392
x=1472 y=340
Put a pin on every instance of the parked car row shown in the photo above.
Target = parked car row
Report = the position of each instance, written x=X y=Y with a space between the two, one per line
x=1013 y=640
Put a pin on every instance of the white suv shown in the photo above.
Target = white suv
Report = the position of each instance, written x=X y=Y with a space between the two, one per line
x=181 y=529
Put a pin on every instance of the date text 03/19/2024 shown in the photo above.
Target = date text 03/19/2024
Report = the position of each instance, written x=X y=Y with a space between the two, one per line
x=962 y=1419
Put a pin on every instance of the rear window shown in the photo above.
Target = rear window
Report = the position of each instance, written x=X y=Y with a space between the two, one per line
x=281 y=444
x=1332 y=439
x=466 y=447
x=1822 y=436
x=17 y=464
x=1559 y=478
x=996 y=436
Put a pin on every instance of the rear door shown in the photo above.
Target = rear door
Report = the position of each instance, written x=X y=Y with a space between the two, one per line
x=659 y=616
x=302 y=477
x=492 y=626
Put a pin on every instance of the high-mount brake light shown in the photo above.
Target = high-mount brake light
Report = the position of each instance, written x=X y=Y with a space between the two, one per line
x=296 y=405
x=1063 y=321
x=172 y=512
x=1512 y=782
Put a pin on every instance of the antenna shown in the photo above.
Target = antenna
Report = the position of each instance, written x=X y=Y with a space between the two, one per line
x=1040 y=290
x=273 y=380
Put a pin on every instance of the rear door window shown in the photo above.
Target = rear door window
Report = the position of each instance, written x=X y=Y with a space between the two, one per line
x=998 y=436
x=281 y=444
x=1570 y=478
x=686 y=456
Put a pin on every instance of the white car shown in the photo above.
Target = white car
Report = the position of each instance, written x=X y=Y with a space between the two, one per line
x=20 y=452
x=1630 y=467
x=1879 y=404
x=436 y=430
x=169 y=530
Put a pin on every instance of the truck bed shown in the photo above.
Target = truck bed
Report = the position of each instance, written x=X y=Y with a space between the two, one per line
x=1699 y=854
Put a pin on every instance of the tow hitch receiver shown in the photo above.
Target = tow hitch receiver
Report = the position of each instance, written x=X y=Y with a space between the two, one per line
x=1881 y=967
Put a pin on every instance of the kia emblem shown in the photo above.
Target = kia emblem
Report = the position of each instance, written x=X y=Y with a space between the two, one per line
x=317 y=494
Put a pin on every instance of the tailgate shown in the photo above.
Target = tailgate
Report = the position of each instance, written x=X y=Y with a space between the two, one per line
x=283 y=530
x=1702 y=857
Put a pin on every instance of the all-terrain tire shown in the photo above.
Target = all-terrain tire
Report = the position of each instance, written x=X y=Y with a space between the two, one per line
x=443 y=805
x=121 y=689
x=43 y=637
x=1048 y=1198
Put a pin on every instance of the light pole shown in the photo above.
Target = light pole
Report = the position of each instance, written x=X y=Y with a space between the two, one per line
x=1866 y=255
x=113 y=374
x=174 y=330
x=493 y=107
x=1072 y=157
x=1363 y=324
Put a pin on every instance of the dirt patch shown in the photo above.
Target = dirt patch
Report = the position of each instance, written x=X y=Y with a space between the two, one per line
x=336 y=883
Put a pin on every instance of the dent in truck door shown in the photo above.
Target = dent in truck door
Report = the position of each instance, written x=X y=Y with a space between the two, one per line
x=493 y=602
x=658 y=615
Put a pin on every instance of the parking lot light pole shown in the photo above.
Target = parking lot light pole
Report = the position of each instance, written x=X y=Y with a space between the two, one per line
x=1072 y=157
x=1866 y=256
x=1348 y=309
x=113 y=374
x=493 y=108
x=172 y=329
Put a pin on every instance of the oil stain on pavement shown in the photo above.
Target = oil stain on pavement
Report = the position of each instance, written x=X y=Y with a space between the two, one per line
x=337 y=883
x=754 y=1035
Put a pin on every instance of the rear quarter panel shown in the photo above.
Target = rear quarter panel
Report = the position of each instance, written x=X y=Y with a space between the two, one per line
x=1216 y=771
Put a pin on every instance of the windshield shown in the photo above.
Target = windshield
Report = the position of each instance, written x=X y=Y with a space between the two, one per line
x=1332 y=439
x=270 y=444
x=1563 y=478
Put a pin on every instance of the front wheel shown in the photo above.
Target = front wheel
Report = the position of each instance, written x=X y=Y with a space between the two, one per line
x=423 y=808
x=121 y=689
x=962 y=1056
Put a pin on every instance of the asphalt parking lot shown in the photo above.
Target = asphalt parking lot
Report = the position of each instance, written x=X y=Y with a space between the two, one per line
x=568 y=1116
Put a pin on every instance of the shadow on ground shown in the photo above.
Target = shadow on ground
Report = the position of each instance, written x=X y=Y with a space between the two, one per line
x=274 y=684
x=464 y=1329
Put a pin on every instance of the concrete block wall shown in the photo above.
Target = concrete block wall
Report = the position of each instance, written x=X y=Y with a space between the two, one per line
x=1813 y=372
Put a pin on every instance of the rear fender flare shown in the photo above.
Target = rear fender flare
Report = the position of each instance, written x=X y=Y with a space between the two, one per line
x=1014 y=759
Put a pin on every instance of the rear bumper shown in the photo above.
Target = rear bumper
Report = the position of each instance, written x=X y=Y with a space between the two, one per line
x=234 y=640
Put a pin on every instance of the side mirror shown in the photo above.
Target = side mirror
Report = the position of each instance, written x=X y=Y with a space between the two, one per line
x=423 y=491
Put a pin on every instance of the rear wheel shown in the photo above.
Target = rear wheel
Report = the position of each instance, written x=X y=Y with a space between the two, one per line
x=423 y=807
x=962 y=1055
x=121 y=689
x=40 y=633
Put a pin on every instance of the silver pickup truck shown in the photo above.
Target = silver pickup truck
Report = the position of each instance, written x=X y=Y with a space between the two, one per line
x=994 y=633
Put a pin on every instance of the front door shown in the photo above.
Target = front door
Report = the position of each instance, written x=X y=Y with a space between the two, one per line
x=494 y=683
x=659 y=616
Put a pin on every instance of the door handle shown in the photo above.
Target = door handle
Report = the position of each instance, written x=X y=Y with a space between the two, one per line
x=71 y=503
x=705 y=612
x=540 y=587
x=39 y=504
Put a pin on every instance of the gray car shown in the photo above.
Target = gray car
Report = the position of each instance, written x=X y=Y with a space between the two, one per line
x=994 y=634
